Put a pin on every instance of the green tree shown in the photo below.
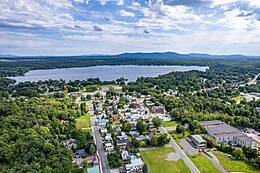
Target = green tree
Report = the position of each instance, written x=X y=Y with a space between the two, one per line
x=157 y=122
x=126 y=126
x=136 y=143
x=92 y=149
x=145 y=168
x=141 y=127
x=238 y=154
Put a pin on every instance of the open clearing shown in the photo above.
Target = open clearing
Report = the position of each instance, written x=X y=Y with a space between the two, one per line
x=203 y=164
x=169 y=123
x=163 y=160
x=234 y=165
x=83 y=122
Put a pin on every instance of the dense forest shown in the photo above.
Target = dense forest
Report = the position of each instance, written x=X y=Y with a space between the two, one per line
x=32 y=131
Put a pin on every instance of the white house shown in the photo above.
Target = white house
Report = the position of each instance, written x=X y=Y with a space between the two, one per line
x=136 y=165
x=109 y=147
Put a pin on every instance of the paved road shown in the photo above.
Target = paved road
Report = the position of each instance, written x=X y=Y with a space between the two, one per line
x=182 y=155
x=100 y=150
x=216 y=163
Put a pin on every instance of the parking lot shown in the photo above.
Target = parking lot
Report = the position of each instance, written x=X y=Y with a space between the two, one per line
x=188 y=146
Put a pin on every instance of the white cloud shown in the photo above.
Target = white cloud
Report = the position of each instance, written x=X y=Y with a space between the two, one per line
x=254 y=3
x=126 y=13
x=103 y=2
x=120 y=2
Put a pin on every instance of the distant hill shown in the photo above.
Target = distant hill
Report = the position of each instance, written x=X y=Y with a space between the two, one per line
x=162 y=55
x=7 y=56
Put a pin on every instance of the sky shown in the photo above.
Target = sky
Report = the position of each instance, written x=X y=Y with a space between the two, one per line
x=85 y=27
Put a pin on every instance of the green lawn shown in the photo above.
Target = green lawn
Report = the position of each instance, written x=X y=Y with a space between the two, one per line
x=108 y=86
x=169 y=123
x=203 y=164
x=238 y=98
x=155 y=160
x=234 y=165
x=83 y=122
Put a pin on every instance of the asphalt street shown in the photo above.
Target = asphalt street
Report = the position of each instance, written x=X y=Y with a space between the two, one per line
x=100 y=150
x=182 y=155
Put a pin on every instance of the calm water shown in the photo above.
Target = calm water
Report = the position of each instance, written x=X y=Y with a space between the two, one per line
x=104 y=73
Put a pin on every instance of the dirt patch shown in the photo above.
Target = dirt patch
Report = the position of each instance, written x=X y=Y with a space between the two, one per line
x=172 y=156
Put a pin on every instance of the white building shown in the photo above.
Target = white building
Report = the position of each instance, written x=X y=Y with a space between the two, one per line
x=224 y=133
x=135 y=166
x=109 y=147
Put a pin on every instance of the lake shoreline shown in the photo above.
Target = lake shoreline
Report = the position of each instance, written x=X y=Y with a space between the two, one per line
x=104 y=72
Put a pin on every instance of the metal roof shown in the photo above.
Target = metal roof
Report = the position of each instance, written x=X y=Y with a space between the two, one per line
x=198 y=138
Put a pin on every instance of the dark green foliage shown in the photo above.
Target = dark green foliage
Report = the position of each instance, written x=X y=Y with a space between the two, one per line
x=157 y=122
x=145 y=168
x=126 y=126
x=141 y=127
x=114 y=160
x=30 y=135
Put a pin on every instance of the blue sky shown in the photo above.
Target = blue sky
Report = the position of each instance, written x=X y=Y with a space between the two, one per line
x=76 y=27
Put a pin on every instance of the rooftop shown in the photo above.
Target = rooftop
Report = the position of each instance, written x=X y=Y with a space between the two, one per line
x=198 y=138
x=135 y=162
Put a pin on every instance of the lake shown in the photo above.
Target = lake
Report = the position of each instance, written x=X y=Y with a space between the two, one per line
x=104 y=73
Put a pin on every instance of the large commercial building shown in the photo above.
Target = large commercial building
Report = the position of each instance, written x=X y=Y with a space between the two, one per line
x=221 y=132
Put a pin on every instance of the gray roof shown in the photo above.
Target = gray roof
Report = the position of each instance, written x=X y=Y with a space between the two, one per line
x=246 y=138
x=220 y=129
x=209 y=123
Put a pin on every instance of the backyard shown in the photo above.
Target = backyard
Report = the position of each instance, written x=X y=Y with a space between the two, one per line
x=83 y=122
x=234 y=165
x=164 y=160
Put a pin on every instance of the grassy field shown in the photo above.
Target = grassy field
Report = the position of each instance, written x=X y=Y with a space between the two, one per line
x=108 y=86
x=234 y=165
x=169 y=123
x=155 y=160
x=238 y=98
x=203 y=164
x=83 y=122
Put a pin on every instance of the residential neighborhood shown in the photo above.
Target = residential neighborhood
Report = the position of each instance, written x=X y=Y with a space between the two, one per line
x=129 y=125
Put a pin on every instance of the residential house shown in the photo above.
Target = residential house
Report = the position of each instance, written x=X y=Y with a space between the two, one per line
x=108 y=137
x=136 y=166
x=123 y=144
x=92 y=160
x=102 y=122
x=80 y=154
x=158 y=109
x=103 y=130
x=165 y=117
x=109 y=146
x=117 y=129
x=125 y=157
x=149 y=105
x=70 y=143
